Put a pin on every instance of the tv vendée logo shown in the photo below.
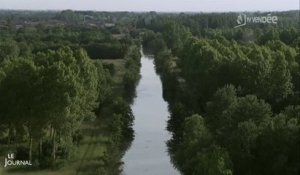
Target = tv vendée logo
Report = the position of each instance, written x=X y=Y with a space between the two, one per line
x=10 y=161
x=243 y=20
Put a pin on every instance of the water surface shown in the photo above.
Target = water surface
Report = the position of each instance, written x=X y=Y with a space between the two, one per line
x=148 y=153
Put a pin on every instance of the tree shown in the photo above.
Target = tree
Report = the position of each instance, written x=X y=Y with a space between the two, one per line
x=292 y=112
x=71 y=82
x=213 y=161
x=8 y=48
x=17 y=89
x=280 y=84
x=250 y=107
x=56 y=89
x=278 y=147
x=197 y=154
x=124 y=117
x=222 y=100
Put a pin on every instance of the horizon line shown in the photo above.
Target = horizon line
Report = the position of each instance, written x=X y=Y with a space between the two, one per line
x=147 y=11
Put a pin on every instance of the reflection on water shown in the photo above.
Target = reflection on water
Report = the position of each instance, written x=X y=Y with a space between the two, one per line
x=148 y=153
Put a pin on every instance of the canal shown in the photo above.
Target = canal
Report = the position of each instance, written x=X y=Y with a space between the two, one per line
x=148 y=154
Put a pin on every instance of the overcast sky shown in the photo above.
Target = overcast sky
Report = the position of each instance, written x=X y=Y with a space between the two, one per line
x=154 y=5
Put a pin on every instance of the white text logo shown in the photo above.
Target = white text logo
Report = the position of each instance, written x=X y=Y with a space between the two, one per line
x=10 y=161
x=243 y=20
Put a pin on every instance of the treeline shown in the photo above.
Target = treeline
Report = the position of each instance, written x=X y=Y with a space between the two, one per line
x=132 y=72
x=118 y=114
x=214 y=25
x=25 y=33
x=271 y=71
x=119 y=103
x=57 y=95
x=234 y=105
x=45 y=98
x=98 y=43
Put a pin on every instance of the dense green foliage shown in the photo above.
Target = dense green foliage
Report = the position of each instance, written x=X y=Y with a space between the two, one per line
x=233 y=93
x=49 y=94
x=57 y=92
x=245 y=84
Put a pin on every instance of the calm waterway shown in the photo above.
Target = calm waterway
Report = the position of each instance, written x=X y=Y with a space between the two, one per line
x=148 y=153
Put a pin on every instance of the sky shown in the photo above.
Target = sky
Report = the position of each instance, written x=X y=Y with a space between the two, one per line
x=154 y=5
